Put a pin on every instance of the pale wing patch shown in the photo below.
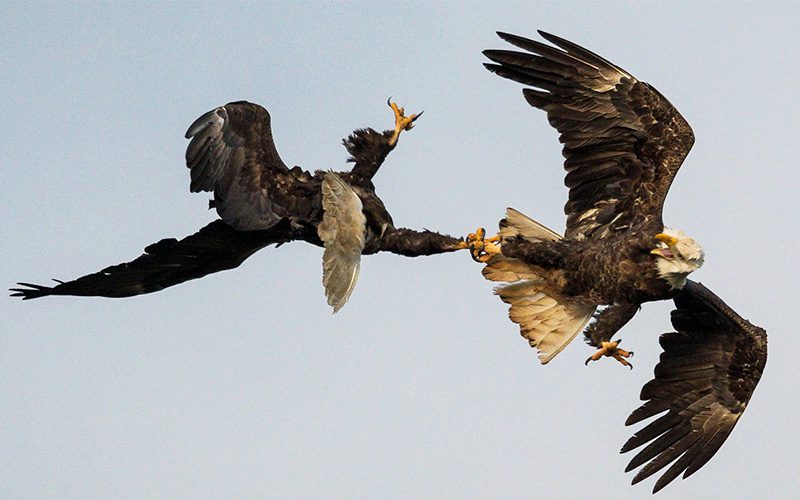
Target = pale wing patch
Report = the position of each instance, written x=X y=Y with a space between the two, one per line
x=342 y=231
x=549 y=324
x=218 y=158
x=547 y=321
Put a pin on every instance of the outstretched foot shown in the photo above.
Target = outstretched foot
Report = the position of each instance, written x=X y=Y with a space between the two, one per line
x=401 y=121
x=482 y=248
x=610 y=349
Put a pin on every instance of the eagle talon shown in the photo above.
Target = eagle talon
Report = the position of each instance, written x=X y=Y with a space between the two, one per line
x=401 y=121
x=611 y=350
x=481 y=248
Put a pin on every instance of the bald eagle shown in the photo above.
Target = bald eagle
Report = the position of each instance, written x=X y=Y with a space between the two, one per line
x=260 y=202
x=623 y=144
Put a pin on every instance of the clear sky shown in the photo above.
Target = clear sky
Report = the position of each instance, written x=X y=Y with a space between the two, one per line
x=243 y=383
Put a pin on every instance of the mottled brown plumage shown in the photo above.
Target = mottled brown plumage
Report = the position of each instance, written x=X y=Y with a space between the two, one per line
x=623 y=141
x=260 y=201
x=623 y=144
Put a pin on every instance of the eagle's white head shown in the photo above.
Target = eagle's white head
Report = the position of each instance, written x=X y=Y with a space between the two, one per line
x=677 y=255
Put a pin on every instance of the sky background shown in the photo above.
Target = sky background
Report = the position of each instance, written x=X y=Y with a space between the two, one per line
x=243 y=383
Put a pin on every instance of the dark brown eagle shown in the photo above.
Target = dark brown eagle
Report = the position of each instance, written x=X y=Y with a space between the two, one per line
x=261 y=202
x=623 y=144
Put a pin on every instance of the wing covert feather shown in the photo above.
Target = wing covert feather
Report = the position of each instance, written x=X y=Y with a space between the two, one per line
x=623 y=141
x=232 y=154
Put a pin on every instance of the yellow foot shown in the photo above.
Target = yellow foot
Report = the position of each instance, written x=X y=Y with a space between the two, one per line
x=481 y=248
x=401 y=121
x=610 y=349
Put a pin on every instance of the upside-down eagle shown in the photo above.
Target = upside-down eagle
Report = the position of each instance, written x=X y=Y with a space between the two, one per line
x=623 y=144
x=261 y=202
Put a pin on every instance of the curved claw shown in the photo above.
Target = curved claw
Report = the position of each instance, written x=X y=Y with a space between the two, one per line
x=611 y=350
x=482 y=248
x=401 y=121
x=476 y=243
x=617 y=357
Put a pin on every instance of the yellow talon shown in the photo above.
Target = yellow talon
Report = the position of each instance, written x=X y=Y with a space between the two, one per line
x=611 y=350
x=478 y=235
x=481 y=248
x=401 y=121
x=489 y=250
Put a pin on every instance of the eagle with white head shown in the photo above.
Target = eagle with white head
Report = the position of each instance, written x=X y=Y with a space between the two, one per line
x=679 y=256
x=623 y=144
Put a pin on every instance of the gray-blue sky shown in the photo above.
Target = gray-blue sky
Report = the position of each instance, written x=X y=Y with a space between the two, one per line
x=242 y=383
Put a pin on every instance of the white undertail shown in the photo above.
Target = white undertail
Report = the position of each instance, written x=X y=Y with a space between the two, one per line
x=547 y=320
x=343 y=232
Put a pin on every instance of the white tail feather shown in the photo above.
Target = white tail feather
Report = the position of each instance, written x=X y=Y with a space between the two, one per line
x=549 y=324
x=547 y=320
x=342 y=231
x=518 y=224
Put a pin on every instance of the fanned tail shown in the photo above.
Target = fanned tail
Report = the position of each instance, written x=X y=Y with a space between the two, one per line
x=546 y=319
x=342 y=230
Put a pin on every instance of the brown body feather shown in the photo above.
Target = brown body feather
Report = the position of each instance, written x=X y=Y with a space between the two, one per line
x=604 y=272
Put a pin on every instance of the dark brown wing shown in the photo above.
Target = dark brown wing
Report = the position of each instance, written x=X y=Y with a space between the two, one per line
x=707 y=373
x=216 y=247
x=232 y=153
x=623 y=141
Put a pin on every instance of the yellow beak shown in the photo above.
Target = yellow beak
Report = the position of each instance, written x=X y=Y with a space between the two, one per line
x=665 y=238
x=670 y=241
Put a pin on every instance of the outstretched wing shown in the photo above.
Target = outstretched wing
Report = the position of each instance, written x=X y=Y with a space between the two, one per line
x=707 y=373
x=232 y=153
x=216 y=247
x=343 y=232
x=623 y=141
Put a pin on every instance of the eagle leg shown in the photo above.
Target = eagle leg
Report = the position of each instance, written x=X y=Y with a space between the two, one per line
x=482 y=248
x=611 y=350
x=401 y=121
x=411 y=243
